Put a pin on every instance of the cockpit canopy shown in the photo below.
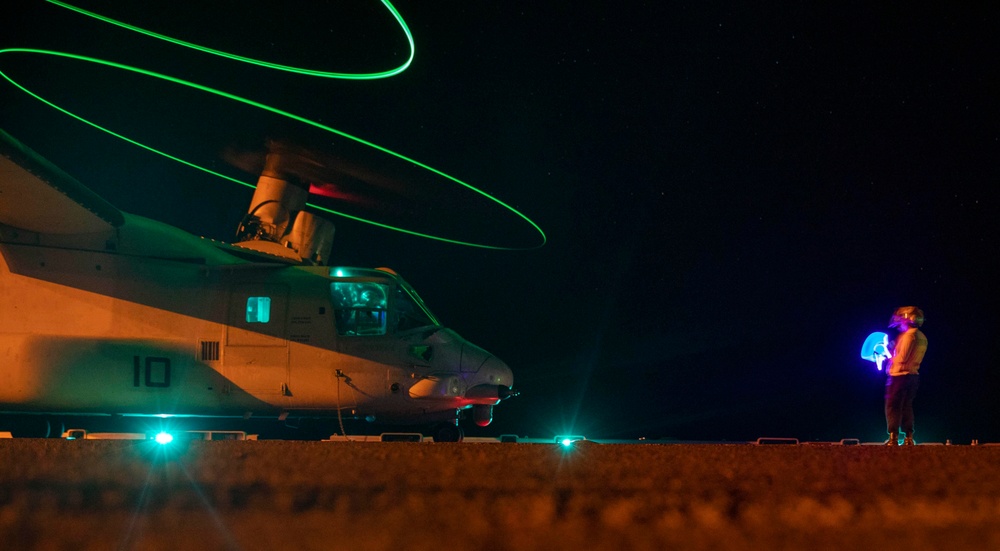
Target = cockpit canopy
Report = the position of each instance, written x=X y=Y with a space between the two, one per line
x=370 y=302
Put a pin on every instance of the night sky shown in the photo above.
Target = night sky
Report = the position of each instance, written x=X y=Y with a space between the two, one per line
x=733 y=196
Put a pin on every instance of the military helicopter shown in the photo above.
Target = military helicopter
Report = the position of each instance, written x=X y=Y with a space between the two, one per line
x=106 y=313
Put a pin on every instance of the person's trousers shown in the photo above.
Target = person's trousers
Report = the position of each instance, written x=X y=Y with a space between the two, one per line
x=900 y=390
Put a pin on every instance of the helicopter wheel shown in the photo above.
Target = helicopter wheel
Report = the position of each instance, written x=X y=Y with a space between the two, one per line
x=34 y=426
x=448 y=432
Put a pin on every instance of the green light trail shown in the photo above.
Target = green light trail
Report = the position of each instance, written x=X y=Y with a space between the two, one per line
x=277 y=112
x=286 y=114
x=269 y=65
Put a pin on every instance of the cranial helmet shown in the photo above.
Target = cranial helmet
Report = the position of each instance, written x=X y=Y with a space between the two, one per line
x=907 y=315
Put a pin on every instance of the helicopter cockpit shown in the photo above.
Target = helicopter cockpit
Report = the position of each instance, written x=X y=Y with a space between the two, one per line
x=375 y=302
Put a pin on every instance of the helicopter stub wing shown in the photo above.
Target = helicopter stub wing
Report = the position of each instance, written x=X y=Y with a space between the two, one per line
x=37 y=196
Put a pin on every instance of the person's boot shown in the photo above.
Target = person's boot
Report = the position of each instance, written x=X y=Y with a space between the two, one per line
x=893 y=439
x=908 y=440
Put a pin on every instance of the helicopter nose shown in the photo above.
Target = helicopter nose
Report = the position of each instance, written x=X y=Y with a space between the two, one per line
x=494 y=382
x=496 y=372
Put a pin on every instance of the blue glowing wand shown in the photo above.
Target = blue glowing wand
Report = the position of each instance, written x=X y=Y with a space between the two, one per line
x=876 y=349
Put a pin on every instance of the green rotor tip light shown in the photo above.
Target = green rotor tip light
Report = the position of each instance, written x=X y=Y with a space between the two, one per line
x=286 y=114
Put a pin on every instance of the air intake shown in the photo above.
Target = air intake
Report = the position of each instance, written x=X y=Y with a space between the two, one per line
x=209 y=351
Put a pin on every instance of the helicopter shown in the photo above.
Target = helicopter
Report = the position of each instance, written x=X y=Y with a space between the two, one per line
x=107 y=313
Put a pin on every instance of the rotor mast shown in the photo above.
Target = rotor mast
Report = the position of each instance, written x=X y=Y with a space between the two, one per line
x=277 y=214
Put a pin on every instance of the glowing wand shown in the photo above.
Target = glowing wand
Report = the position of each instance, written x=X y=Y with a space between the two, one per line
x=876 y=349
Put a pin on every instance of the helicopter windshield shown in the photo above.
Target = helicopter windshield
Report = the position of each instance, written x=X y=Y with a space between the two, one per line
x=360 y=307
x=375 y=302
x=411 y=309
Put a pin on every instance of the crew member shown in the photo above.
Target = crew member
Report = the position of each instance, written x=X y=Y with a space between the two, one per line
x=901 y=386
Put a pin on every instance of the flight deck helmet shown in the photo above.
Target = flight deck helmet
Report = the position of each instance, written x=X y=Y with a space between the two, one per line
x=907 y=316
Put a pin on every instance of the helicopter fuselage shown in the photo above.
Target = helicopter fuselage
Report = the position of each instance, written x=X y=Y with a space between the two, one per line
x=138 y=317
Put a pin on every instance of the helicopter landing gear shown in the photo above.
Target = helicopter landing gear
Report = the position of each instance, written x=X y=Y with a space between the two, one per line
x=448 y=431
x=37 y=426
